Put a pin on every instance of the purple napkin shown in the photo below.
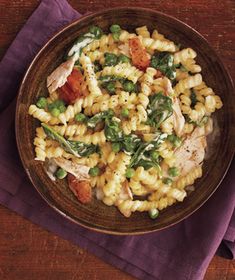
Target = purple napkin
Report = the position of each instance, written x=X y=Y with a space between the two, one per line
x=180 y=252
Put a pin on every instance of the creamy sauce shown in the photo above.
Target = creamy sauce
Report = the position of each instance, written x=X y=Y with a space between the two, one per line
x=77 y=47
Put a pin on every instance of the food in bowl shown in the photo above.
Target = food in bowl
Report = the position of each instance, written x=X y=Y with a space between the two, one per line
x=126 y=119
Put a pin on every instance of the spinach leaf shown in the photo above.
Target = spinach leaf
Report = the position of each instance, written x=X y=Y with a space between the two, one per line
x=93 y=121
x=159 y=109
x=163 y=61
x=142 y=156
x=73 y=147
x=112 y=130
x=83 y=149
x=193 y=98
x=130 y=143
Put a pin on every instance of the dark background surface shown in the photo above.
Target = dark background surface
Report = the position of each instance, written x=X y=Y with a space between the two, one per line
x=30 y=252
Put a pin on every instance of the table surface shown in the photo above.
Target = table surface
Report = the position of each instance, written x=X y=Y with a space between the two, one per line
x=30 y=252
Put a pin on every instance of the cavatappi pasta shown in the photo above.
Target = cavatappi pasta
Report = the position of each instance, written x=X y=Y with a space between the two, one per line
x=126 y=118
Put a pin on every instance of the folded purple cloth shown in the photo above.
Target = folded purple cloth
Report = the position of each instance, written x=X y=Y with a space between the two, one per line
x=180 y=252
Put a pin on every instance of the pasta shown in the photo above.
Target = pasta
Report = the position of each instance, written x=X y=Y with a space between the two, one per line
x=129 y=120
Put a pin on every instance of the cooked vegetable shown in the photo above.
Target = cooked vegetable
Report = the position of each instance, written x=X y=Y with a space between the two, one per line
x=110 y=59
x=110 y=86
x=128 y=86
x=193 y=98
x=125 y=112
x=139 y=55
x=96 y=31
x=153 y=213
x=55 y=112
x=93 y=121
x=163 y=61
x=130 y=172
x=123 y=59
x=61 y=173
x=42 y=102
x=80 y=117
x=73 y=147
x=116 y=147
x=116 y=31
x=57 y=104
x=167 y=181
x=94 y=171
x=175 y=140
x=159 y=109
x=173 y=171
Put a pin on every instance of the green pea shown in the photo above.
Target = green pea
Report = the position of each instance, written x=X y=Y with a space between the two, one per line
x=110 y=87
x=176 y=141
x=167 y=181
x=55 y=112
x=61 y=173
x=153 y=213
x=173 y=171
x=115 y=28
x=154 y=155
x=80 y=117
x=97 y=31
x=116 y=36
x=57 y=104
x=129 y=172
x=129 y=86
x=110 y=59
x=125 y=112
x=94 y=171
x=116 y=147
x=42 y=102
x=123 y=59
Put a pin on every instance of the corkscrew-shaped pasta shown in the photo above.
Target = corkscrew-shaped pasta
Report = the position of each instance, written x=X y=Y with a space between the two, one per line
x=167 y=126
x=127 y=207
x=103 y=42
x=52 y=97
x=159 y=45
x=147 y=81
x=167 y=154
x=42 y=115
x=71 y=129
x=144 y=176
x=190 y=82
x=143 y=31
x=181 y=75
x=117 y=176
x=123 y=70
x=95 y=55
x=90 y=161
x=188 y=128
x=40 y=144
x=90 y=75
x=91 y=138
x=170 y=192
x=137 y=187
x=107 y=154
x=188 y=179
x=184 y=55
x=54 y=152
x=213 y=102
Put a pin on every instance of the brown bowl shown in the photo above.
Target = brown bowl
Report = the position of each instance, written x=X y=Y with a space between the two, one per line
x=97 y=216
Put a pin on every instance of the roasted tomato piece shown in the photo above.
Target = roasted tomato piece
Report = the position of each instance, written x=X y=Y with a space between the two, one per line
x=139 y=55
x=81 y=189
x=72 y=89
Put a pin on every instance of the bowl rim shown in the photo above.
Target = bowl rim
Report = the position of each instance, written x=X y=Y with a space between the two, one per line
x=20 y=93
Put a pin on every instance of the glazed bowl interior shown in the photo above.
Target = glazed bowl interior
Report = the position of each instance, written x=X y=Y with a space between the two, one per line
x=96 y=215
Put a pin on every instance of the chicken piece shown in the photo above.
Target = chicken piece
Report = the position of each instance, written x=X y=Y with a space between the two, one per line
x=178 y=118
x=192 y=151
x=80 y=188
x=79 y=171
x=125 y=193
x=59 y=76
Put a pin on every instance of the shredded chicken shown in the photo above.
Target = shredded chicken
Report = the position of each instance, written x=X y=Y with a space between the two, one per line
x=192 y=151
x=125 y=193
x=79 y=171
x=59 y=76
x=178 y=118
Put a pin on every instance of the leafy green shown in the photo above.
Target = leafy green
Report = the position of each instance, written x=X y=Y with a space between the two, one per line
x=142 y=156
x=93 y=121
x=163 y=61
x=83 y=149
x=73 y=147
x=193 y=98
x=159 y=109
x=112 y=130
x=130 y=142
